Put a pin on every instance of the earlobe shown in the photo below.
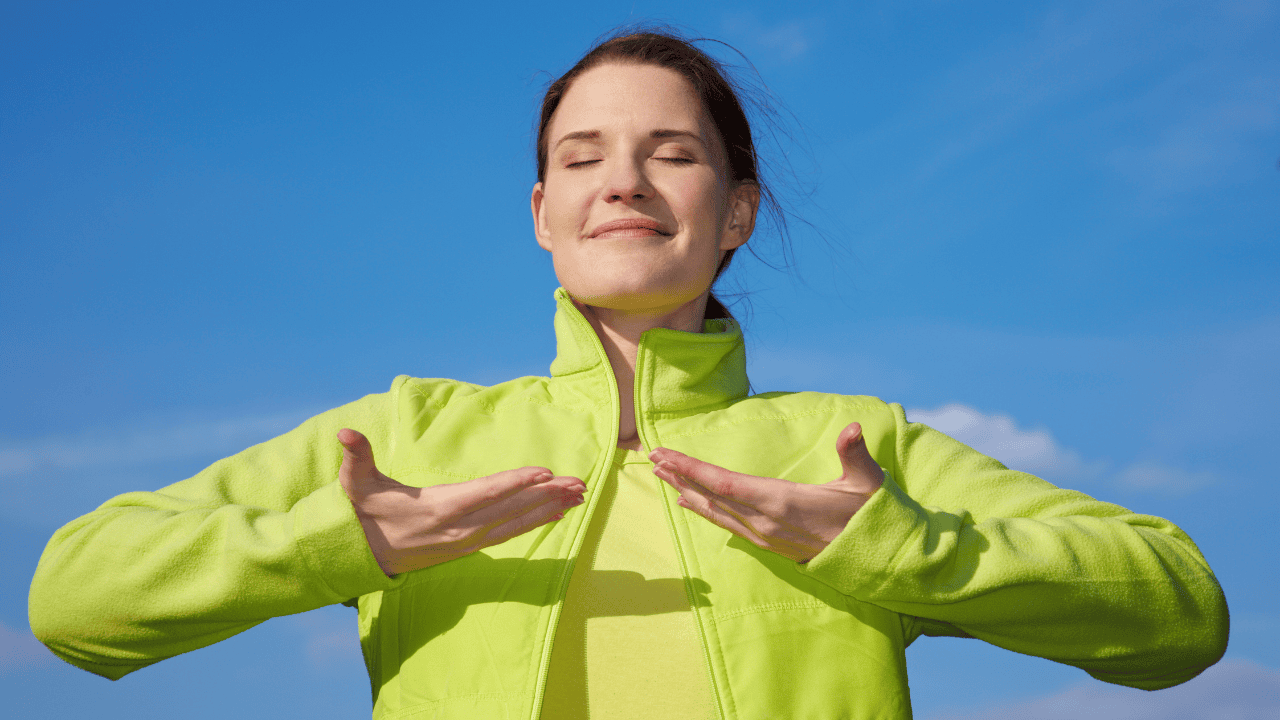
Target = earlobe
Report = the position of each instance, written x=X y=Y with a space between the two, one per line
x=537 y=207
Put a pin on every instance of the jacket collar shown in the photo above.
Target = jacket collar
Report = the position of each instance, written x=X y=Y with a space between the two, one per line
x=676 y=371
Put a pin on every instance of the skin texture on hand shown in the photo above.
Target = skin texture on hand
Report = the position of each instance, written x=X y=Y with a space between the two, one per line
x=410 y=528
x=794 y=520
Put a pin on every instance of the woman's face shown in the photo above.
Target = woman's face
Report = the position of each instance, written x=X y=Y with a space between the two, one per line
x=635 y=208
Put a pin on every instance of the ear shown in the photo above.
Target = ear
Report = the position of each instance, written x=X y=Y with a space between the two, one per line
x=741 y=220
x=540 y=228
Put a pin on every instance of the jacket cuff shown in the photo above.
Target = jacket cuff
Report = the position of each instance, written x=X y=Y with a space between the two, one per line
x=862 y=557
x=333 y=542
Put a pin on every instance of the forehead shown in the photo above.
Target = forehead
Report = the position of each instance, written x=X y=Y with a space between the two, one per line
x=616 y=96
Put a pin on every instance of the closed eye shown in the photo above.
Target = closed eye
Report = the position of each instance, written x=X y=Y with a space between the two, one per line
x=580 y=163
x=677 y=160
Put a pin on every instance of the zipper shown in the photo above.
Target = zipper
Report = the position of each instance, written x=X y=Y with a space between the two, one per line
x=646 y=441
x=590 y=509
x=690 y=593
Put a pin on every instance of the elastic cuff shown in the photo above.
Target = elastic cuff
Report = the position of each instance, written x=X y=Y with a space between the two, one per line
x=860 y=559
x=333 y=541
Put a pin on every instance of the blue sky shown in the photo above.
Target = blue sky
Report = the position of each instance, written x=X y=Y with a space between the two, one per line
x=1047 y=228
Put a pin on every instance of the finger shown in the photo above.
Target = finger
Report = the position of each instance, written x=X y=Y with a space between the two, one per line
x=855 y=459
x=718 y=516
x=355 y=444
x=749 y=497
x=690 y=488
x=357 y=458
x=485 y=491
x=702 y=505
x=779 y=520
x=769 y=524
x=746 y=489
x=530 y=517
x=503 y=504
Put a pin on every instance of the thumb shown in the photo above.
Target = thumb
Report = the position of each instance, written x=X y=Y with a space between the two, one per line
x=860 y=469
x=357 y=459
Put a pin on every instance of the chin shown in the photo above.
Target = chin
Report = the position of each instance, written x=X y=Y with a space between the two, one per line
x=633 y=297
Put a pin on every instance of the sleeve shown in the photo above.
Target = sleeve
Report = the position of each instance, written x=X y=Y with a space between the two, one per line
x=969 y=548
x=264 y=533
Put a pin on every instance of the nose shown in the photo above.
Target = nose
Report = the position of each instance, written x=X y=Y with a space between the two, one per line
x=627 y=183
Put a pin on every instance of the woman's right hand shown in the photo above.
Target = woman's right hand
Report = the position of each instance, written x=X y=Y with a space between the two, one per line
x=410 y=528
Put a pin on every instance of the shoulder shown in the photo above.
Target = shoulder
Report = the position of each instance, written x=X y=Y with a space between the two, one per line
x=799 y=415
x=428 y=395
x=817 y=407
x=816 y=402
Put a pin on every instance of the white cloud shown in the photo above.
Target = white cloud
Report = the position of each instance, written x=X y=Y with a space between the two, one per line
x=331 y=636
x=137 y=447
x=1230 y=690
x=998 y=436
x=1036 y=452
x=21 y=649
x=323 y=649
x=50 y=480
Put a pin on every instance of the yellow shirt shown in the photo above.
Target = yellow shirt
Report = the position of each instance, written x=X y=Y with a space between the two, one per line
x=627 y=645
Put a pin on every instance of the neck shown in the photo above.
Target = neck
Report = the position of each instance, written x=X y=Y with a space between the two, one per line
x=619 y=332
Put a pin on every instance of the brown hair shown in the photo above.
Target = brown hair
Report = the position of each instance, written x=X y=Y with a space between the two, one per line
x=719 y=94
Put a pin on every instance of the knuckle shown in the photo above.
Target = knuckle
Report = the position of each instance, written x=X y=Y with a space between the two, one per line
x=784 y=509
x=725 y=485
x=768 y=527
x=455 y=538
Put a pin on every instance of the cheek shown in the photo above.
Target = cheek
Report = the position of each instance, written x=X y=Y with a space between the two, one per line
x=567 y=205
x=698 y=201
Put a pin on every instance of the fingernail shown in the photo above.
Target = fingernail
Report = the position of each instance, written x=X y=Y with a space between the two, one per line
x=542 y=477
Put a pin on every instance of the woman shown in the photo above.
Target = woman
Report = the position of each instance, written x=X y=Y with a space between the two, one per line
x=819 y=536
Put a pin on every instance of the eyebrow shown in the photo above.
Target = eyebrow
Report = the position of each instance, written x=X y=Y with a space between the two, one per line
x=660 y=133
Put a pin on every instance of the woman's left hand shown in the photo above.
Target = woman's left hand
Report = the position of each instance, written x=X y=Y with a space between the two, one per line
x=792 y=519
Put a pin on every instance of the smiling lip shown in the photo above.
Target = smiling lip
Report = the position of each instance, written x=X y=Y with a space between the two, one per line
x=630 y=227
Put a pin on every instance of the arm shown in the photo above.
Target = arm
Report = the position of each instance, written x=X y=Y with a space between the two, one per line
x=973 y=548
x=264 y=533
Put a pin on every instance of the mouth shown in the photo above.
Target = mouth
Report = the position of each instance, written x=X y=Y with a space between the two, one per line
x=630 y=227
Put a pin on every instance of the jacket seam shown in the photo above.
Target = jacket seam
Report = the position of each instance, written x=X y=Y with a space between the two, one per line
x=770 y=607
x=410 y=711
x=416 y=579
x=436 y=471
x=721 y=426
x=690 y=412
x=494 y=409
x=417 y=389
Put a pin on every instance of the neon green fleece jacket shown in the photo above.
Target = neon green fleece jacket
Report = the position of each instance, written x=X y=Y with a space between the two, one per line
x=952 y=544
